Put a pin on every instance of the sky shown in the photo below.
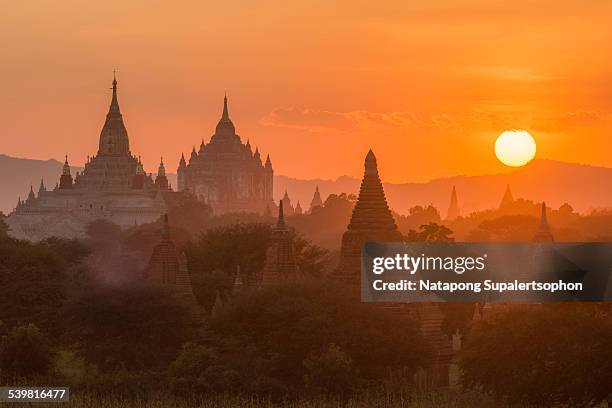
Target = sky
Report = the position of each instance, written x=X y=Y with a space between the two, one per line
x=428 y=85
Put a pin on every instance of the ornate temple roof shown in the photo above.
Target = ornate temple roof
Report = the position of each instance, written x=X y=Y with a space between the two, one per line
x=114 y=137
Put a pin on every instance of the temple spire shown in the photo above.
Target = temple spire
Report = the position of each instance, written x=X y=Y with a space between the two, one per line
x=371 y=221
x=114 y=106
x=508 y=199
x=281 y=216
x=543 y=234
x=453 y=208
x=225 y=115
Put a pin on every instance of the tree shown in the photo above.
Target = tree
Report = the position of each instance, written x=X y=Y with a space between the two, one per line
x=267 y=334
x=542 y=355
x=4 y=228
x=135 y=326
x=431 y=232
x=330 y=371
x=507 y=228
x=25 y=352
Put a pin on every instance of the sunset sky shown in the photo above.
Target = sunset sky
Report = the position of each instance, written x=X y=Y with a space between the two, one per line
x=429 y=85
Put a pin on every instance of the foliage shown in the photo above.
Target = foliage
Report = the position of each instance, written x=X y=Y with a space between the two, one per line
x=215 y=256
x=266 y=335
x=431 y=232
x=4 y=228
x=330 y=371
x=25 y=352
x=135 y=326
x=507 y=228
x=417 y=216
x=34 y=278
x=543 y=355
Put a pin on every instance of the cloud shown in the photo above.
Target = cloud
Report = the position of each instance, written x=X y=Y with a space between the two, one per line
x=352 y=122
x=315 y=120
x=568 y=120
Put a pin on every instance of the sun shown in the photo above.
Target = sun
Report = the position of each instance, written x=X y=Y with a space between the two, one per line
x=515 y=148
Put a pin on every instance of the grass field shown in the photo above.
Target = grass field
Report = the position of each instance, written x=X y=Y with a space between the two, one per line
x=454 y=400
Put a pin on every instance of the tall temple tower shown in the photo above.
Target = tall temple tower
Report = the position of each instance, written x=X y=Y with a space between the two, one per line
x=543 y=234
x=453 y=208
x=371 y=222
x=280 y=257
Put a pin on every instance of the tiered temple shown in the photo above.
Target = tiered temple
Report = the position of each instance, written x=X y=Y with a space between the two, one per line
x=168 y=269
x=453 y=208
x=280 y=257
x=371 y=221
x=226 y=174
x=112 y=186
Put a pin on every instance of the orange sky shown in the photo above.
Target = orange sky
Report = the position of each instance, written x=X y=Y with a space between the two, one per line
x=429 y=84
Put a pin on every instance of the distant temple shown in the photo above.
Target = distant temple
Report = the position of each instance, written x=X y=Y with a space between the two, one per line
x=226 y=174
x=543 y=233
x=453 y=208
x=168 y=269
x=371 y=221
x=280 y=257
x=113 y=186
x=316 y=200
x=287 y=207
x=507 y=199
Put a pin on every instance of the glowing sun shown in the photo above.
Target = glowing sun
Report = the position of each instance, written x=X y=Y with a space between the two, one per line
x=515 y=148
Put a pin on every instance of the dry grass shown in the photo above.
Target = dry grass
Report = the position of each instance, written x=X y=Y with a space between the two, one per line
x=422 y=401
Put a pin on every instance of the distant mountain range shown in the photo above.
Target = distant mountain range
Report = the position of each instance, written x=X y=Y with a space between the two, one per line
x=583 y=186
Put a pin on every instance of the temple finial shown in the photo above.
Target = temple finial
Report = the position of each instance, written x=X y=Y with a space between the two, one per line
x=225 y=111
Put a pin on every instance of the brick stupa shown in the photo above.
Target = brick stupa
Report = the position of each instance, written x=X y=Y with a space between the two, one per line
x=280 y=257
x=371 y=222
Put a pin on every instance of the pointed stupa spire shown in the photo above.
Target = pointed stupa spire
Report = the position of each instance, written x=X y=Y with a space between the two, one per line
x=42 y=187
x=225 y=127
x=298 y=208
x=268 y=162
x=257 y=155
x=371 y=221
x=543 y=234
x=66 y=168
x=281 y=215
x=114 y=137
x=507 y=199
x=453 y=208
x=182 y=162
x=225 y=115
x=161 y=171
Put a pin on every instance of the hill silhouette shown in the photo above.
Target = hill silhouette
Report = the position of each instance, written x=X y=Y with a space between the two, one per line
x=583 y=186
